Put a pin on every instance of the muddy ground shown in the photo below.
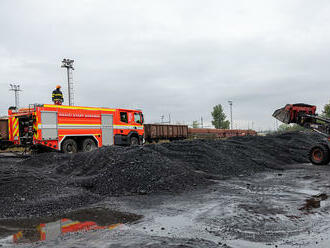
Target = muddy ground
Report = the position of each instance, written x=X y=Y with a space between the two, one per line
x=242 y=192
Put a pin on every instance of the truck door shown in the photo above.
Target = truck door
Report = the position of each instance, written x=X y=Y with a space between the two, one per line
x=107 y=130
x=138 y=119
x=130 y=118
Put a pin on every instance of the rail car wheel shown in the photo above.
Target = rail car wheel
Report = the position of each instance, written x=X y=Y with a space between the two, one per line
x=88 y=145
x=319 y=155
x=134 y=141
x=69 y=146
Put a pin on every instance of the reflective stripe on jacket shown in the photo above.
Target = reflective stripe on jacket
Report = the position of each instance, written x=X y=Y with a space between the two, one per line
x=57 y=95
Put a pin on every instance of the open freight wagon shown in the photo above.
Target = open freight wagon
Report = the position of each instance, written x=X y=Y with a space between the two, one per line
x=211 y=133
x=156 y=132
x=4 y=133
x=70 y=128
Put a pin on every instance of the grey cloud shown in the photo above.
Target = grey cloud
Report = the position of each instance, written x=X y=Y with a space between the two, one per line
x=178 y=57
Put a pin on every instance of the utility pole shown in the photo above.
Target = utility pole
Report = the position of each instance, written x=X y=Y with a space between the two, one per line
x=162 y=119
x=231 y=113
x=202 y=121
x=16 y=89
x=68 y=64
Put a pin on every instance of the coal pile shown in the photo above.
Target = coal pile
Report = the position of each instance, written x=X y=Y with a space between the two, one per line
x=53 y=181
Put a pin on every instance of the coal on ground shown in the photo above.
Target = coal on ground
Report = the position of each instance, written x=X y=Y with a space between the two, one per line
x=55 y=182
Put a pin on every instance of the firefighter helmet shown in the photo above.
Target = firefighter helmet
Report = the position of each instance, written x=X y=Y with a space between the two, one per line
x=58 y=86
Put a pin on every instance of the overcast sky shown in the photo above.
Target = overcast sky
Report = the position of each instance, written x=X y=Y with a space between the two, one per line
x=170 y=56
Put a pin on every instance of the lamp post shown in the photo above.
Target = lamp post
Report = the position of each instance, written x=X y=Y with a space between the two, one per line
x=231 y=113
x=16 y=88
x=68 y=64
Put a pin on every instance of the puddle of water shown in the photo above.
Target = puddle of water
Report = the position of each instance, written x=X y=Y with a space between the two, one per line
x=50 y=228
x=246 y=244
x=308 y=191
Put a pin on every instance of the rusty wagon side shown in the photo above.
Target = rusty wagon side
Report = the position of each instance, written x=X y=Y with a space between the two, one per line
x=4 y=133
x=156 y=132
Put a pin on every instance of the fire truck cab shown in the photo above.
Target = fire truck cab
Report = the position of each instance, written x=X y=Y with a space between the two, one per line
x=71 y=129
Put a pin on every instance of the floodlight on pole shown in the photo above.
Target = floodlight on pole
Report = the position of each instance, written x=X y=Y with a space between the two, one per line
x=16 y=88
x=231 y=113
x=68 y=64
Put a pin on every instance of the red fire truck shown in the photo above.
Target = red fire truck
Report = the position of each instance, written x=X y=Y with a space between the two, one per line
x=71 y=129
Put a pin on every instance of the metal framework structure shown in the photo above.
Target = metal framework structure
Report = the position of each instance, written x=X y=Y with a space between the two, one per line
x=16 y=88
x=68 y=64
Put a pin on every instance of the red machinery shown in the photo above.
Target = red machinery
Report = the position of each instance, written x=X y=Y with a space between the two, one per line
x=71 y=128
x=305 y=116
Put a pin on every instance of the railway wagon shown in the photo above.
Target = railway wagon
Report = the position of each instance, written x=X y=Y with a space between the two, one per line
x=218 y=133
x=4 y=134
x=156 y=132
x=4 y=128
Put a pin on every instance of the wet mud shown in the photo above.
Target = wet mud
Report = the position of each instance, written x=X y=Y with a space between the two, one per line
x=314 y=201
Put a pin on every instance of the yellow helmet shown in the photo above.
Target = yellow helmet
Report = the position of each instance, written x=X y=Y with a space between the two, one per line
x=58 y=86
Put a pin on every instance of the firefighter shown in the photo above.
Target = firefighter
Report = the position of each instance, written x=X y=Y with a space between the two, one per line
x=57 y=96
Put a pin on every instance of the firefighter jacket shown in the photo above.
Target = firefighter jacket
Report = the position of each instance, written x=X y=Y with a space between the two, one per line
x=57 y=95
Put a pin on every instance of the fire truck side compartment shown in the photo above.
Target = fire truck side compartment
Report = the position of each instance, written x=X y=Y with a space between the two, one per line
x=107 y=129
x=49 y=127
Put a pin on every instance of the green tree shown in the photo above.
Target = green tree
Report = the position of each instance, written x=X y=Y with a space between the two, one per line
x=219 y=118
x=290 y=127
x=326 y=111
x=195 y=124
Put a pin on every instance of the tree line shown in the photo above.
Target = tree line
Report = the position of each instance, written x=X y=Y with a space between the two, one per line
x=219 y=119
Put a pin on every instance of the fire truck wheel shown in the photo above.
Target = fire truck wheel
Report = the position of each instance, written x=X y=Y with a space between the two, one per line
x=88 y=145
x=134 y=141
x=319 y=155
x=69 y=146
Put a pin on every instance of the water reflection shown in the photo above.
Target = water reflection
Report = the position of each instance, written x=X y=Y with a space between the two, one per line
x=52 y=230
